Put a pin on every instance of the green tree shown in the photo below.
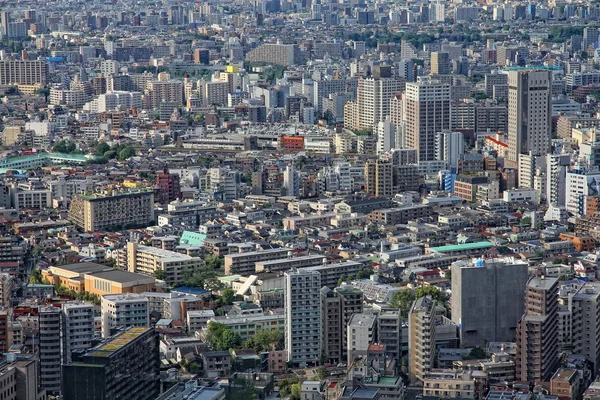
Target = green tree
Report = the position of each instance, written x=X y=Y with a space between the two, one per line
x=526 y=221
x=36 y=276
x=102 y=148
x=432 y=291
x=403 y=300
x=296 y=391
x=285 y=385
x=160 y=274
x=228 y=295
x=221 y=337
x=476 y=353
x=126 y=153
x=322 y=373
x=265 y=340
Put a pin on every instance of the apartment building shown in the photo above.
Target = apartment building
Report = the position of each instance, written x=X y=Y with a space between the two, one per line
x=49 y=348
x=361 y=332
x=23 y=72
x=337 y=307
x=331 y=273
x=147 y=260
x=77 y=328
x=303 y=316
x=400 y=215
x=123 y=310
x=537 y=331
x=248 y=325
x=244 y=263
x=101 y=212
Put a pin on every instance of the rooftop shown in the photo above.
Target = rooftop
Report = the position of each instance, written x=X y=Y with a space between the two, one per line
x=116 y=343
x=459 y=247
x=123 y=277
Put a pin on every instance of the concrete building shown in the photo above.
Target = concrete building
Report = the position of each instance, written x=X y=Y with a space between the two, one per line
x=537 y=331
x=373 y=99
x=23 y=72
x=426 y=112
x=379 y=178
x=125 y=366
x=440 y=63
x=361 y=332
x=529 y=113
x=77 y=323
x=337 y=307
x=244 y=263
x=129 y=310
x=390 y=333
x=421 y=337
x=49 y=350
x=303 y=317
x=99 y=212
x=147 y=260
x=497 y=287
x=275 y=53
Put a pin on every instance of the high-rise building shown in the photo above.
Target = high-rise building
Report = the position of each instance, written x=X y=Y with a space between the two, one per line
x=386 y=136
x=389 y=333
x=49 y=350
x=373 y=99
x=422 y=319
x=449 y=146
x=23 y=72
x=537 y=331
x=99 y=212
x=361 y=332
x=440 y=63
x=125 y=366
x=123 y=310
x=77 y=328
x=379 y=178
x=337 y=307
x=426 y=112
x=529 y=113
x=302 y=316
x=497 y=287
x=168 y=186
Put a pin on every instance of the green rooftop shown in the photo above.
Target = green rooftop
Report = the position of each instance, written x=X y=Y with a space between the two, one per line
x=192 y=238
x=459 y=247
x=117 y=343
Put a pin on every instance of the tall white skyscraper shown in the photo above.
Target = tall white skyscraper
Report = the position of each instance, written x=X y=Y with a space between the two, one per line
x=291 y=181
x=449 y=146
x=303 y=316
x=386 y=136
x=529 y=113
x=373 y=99
x=426 y=112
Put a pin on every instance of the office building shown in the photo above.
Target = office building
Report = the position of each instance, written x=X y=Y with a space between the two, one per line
x=497 y=287
x=303 y=317
x=123 y=310
x=49 y=348
x=244 y=263
x=426 y=112
x=23 y=72
x=449 y=146
x=167 y=91
x=529 y=113
x=101 y=212
x=440 y=63
x=537 y=331
x=125 y=366
x=77 y=324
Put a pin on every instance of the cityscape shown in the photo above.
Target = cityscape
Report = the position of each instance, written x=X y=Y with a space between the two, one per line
x=300 y=200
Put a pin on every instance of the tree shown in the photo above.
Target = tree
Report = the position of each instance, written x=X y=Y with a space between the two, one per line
x=203 y=278
x=160 y=274
x=296 y=390
x=126 y=153
x=431 y=291
x=403 y=300
x=228 y=296
x=221 y=337
x=476 y=353
x=322 y=373
x=265 y=340
x=285 y=385
x=212 y=262
x=448 y=273
x=102 y=148
x=36 y=276
x=526 y=221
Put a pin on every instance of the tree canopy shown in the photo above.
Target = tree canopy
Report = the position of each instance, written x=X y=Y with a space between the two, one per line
x=221 y=337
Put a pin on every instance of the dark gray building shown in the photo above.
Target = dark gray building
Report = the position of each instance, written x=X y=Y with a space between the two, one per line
x=487 y=299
